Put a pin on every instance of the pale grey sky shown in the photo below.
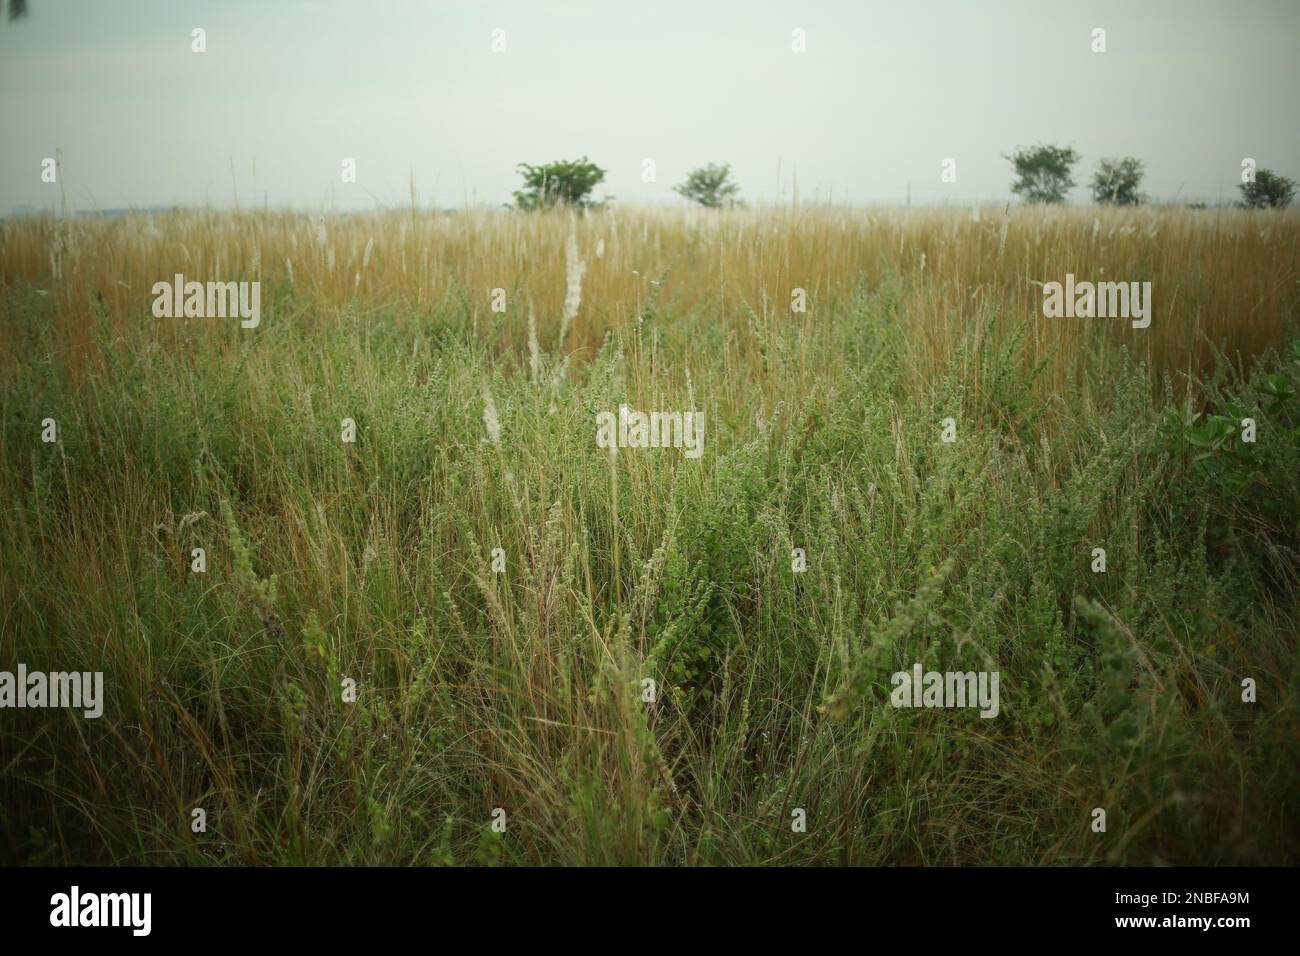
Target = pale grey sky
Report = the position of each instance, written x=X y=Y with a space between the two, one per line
x=883 y=94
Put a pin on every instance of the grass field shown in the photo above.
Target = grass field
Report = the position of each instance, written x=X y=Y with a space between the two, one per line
x=372 y=561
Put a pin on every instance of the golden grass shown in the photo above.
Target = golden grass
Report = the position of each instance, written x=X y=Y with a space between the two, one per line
x=1227 y=277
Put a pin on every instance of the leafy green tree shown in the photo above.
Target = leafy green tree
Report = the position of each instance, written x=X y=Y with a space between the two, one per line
x=1268 y=191
x=1043 y=172
x=710 y=186
x=564 y=182
x=1116 y=182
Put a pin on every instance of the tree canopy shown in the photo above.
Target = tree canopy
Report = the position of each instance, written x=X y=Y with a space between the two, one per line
x=1268 y=191
x=1116 y=182
x=710 y=186
x=563 y=182
x=1043 y=172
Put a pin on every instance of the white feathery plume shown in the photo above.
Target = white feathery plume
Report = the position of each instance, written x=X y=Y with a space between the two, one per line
x=491 y=421
x=574 y=268
x=534 y=350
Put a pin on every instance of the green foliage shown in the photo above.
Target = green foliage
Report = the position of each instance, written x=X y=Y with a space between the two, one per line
x=1116 y=182
x=710 y=186
x=563 y=182
x=1239 y=447
x=1043 y=172
x=1268 y=190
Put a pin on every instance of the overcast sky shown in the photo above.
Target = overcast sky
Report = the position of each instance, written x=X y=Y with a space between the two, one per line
x=882 y=95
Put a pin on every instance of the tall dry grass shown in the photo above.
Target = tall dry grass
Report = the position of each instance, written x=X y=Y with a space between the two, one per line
x=521 y=690
x=1225 y=278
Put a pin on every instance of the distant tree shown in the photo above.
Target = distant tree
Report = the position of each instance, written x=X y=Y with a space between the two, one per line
x=1116 y=182
x=564 y=182
x=1043 y=172
x=17 y=9
x=1268 y=191
x=710 y=186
